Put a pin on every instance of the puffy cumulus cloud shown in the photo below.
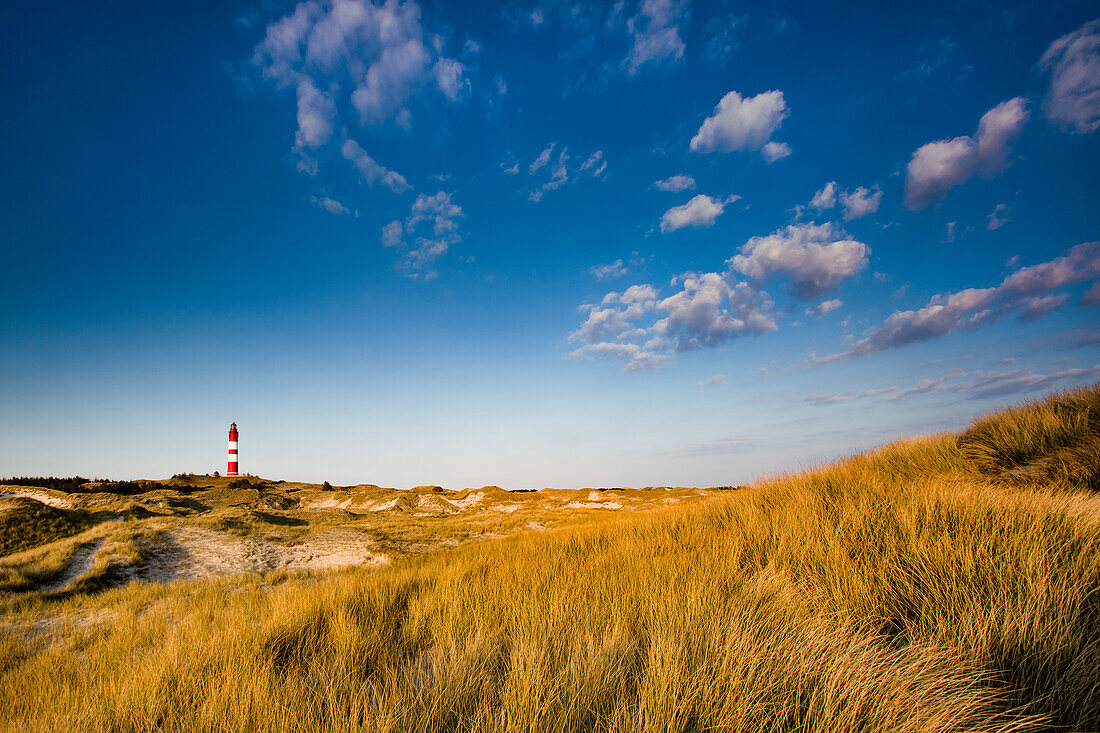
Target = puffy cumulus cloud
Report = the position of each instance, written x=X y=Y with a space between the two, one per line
x=616 y=314
x=429 y=231
x=774 y=151
x=1026 y=292
x=1073 y=62
x=939 y=166
x=860 y=203
x=641 y=329
x=815 y=257
x=371 y=171
x=655 y=34
x=354 y=54
x=700 y=211
x=709 y=311
x=856 y=204
x=675 y=184
x=740 y=123
x=825 y=198
x=825 y=306
x=331 y=205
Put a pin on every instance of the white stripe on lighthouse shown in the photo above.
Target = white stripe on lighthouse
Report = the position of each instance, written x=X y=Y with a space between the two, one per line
x=232 y=445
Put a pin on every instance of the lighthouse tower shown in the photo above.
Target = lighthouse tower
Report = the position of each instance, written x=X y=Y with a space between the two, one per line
x=232 y=470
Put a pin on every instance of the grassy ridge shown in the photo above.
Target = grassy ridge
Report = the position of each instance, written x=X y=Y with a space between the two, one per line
x=913 y=588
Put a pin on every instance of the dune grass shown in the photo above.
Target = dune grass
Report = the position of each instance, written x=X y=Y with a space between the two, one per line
x=910 y=589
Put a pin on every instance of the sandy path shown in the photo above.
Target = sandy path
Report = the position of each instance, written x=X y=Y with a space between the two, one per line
x=194 y=552
x=79 y=563
x=42 y=496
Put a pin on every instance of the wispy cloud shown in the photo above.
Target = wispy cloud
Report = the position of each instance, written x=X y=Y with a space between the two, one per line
x=1024 y=292
x=430 y=230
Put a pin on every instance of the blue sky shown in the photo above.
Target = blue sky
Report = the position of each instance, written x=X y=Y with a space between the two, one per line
x=630 y=243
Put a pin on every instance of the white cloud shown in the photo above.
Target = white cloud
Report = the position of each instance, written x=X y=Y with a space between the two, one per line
x=1074 y=65
x=436 y=218
x=595 y=163
x=641 y=330
x=392 y=234
x=774 y=151
x=331 y=205
x=559 y=171
x=1080 y=263
x=316 y=116
x=353 y=53
x=609 y=271
x=450 y=77
x=675 y=184
x=741 y=123
x=700 y=211
x=714 y=381
x=709 y=311
x=998 y=217
x=825 y=198
x=1022 y=291
x=1038 y=306
x=634 y=357
x=815 y=257
x=825 y=306
x=860 y=203
x=542 y=159
x=939 y=166
x=373 y=172
x=655 y=33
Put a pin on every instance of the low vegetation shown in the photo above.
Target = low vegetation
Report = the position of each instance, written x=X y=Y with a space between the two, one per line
x=943 y=583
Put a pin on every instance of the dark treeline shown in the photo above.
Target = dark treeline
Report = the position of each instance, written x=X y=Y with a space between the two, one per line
x=70 y=485
x=81 y=485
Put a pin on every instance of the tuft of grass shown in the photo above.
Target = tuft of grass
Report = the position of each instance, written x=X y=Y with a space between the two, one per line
x=1052 y=440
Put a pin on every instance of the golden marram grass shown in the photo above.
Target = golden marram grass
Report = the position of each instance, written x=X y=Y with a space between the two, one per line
x=943 y=583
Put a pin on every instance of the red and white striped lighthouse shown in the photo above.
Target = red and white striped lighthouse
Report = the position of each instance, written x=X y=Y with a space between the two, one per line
x=232 y=470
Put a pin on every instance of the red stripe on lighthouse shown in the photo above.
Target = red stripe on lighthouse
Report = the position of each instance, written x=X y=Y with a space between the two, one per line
x=231 y=470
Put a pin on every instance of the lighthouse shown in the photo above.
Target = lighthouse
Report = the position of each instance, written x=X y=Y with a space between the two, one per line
x=232 y=470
